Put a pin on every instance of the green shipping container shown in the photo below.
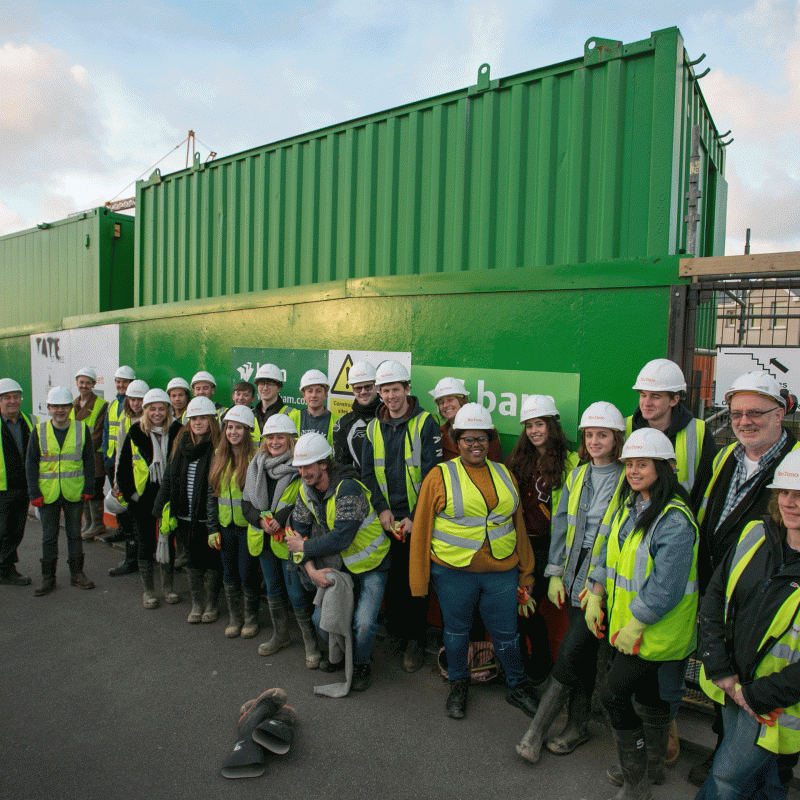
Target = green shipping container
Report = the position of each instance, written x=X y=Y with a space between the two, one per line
x=79 y=265
x=589 y=160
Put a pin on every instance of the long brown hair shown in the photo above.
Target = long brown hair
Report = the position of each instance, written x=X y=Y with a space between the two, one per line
x=213 y=434
x=227 y=457
x=527 y=465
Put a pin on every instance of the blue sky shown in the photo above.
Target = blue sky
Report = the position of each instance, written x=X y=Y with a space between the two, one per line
x=92 y=95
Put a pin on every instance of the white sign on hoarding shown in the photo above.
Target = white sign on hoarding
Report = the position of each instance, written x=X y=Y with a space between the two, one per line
x=341 y=396
x=783 y=363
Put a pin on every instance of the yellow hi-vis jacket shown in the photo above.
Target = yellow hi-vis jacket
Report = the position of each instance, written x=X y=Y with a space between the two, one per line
x=115 y=411
x=61 y=468
x=783 y=638
x=674 y=636
x=465 y=522
x=229 y=502
x=255 y=536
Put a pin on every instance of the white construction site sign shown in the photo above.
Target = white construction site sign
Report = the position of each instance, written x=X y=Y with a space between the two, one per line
x=783 y=363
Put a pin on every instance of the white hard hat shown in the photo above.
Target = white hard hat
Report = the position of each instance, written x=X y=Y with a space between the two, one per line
x=756 y=383
x=201 y=407
x=361 y=372
x=178 y=383
x=391 y=372
x=269 y=372
x=241 y=414
x=138 y=389
x=648 y=443
x=86 y=372
x=310 y=448
x=113 y=505
x=204 y=376
x=660 y=375
x=155 y=396
x=472 y=416
x=787 y=475
x=314 y=378
x=448 y=386
x=538 y=405
x=602 y=415
x=279 y=423
x=59 y=396
x=126 y=373
x=9 y=385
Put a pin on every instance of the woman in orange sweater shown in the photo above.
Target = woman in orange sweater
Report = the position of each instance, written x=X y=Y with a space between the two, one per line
x=469 y=541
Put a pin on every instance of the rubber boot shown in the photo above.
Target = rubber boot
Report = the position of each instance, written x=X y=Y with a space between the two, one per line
x=252 y=602
x=129 y=564
x=147 y=572
x=48 y=577
x=277 y=732
x=96 y=510
x=233 y=596
x=576 y=731
x=313 y=655
x=550 y=706
x=197 y=590
x=279 y=614
x=633 y=760
x=168 y=583
x=181 y=559
x=76 y=576
x=656 y=726
x=213 y=586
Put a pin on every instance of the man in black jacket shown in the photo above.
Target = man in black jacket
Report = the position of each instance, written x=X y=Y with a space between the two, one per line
x=349 y=430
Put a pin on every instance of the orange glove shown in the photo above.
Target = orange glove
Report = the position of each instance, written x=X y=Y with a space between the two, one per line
x=629 y=639
x=279 y=535
x=770 y=718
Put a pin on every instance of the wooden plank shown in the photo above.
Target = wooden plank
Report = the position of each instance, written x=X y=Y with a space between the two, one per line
x=753 y=264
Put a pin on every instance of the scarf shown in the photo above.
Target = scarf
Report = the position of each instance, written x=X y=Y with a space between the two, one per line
x=158 y=438
x=280 y=469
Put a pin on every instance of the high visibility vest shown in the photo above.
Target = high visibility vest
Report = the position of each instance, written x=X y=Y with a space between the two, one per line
x=604 y=529
x=255 y=536
x=688 y=449
x=93 y=415
x=572 y=460
x=719 y=463
x=114 y=413
x=574 y=485
x=779 y=647
x=412 y=455
x=3 y=479
x=229 y=502
x=61 y=468
x=370 y=545
x=465 y=522
x=141 y=471
x=674 y=636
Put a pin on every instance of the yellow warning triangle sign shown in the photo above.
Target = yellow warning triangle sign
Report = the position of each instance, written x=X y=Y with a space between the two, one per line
x=340 y=385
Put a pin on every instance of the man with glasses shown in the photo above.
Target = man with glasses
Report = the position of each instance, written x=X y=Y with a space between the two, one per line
x=348 y=431
x=737 y=492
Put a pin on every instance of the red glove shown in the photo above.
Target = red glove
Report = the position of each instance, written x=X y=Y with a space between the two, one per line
x=769 y=719
x=38 y=502
x=87 y=497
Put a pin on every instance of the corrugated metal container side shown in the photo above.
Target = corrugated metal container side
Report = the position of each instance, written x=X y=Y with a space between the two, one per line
x=78 y=265
x=587 y=160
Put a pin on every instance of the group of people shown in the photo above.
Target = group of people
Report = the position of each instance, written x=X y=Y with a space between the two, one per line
x=633 y=533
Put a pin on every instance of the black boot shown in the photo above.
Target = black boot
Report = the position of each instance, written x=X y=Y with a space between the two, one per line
x=147 y=573
x=252 y=602
x=197 y=591
x=48 y=577
x=553 y=701
x=456 y=705
x=656 y=738
x=523 y=697
x=76 y=576
x=233 y=597
x=576 y=731
x=633 y=760
x=213 y=587
x=129 y=564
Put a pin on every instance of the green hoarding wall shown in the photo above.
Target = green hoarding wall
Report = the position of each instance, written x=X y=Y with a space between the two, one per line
x=599 y=322
x=584 y=161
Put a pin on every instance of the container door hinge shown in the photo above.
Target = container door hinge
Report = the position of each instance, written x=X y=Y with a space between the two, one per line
x=483 y=83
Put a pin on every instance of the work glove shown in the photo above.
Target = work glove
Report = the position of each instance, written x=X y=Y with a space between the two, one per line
x=595 y=614
x=769 y=718
x=279 y=535
x=87 y=497
x=162 y=549
x=38 y=502
x=526 y=606
x=629 y=639
x=556 y=593
x=584 y=598
x=215 y=541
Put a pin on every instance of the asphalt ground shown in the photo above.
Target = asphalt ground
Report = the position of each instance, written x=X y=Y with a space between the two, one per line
x=102 y=699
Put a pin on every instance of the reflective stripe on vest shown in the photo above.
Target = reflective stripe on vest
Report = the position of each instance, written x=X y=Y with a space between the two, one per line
x=412 y=455
x=3 y=479
x=688 y=449
x=114 y=414
x=465 y=522
x=61 y=468
x=370 y=545
x=673 y=637
x=784 y=635
x=230 y=502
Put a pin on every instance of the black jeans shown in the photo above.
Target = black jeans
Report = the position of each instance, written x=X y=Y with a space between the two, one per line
x=576 y=664
x=13 y=515
x=194 y=538
x=629 y=676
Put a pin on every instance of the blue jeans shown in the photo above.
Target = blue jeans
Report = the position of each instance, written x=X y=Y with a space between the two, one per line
x=494 y=594
x=237 y=563
x=369 y=588
x=741 y=769
x=672 y=684
x=280 y=575
x=50 y=514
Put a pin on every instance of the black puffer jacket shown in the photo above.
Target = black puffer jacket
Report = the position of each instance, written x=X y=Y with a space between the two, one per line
x=173 y=487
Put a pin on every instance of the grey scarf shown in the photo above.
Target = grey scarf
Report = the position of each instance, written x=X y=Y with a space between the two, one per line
x=279 y=469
